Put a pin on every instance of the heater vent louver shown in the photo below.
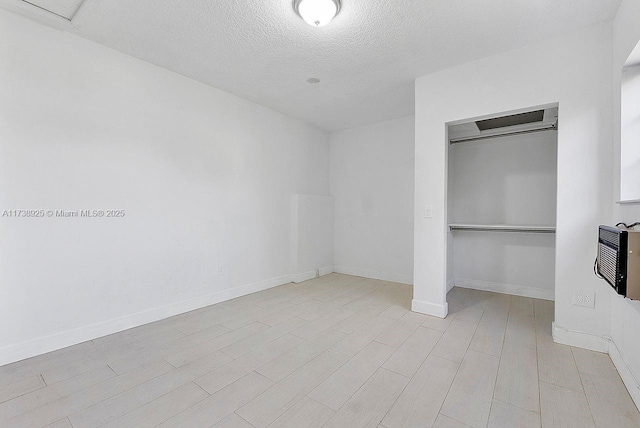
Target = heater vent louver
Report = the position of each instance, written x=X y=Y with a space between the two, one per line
x=619 y=259
x=609 y=263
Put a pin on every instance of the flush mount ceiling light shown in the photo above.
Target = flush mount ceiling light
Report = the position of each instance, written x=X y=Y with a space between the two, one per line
x=317 y=13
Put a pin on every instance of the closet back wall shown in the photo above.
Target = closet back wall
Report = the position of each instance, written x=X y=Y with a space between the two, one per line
x=205 y=179
x=507 y=180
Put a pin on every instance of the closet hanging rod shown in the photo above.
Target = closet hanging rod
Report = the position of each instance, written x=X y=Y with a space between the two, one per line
x=502 y=228
x=553 y=127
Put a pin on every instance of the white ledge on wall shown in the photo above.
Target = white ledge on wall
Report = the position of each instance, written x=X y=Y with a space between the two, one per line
x=502 y=228
x=629 y=202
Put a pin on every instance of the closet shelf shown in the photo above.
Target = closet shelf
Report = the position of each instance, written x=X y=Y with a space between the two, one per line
x=502 y=228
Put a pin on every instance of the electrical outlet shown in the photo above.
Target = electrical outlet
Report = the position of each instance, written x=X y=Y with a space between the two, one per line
x=410 y=225
x=221 y=269
x=584 y=298
x=350 y=223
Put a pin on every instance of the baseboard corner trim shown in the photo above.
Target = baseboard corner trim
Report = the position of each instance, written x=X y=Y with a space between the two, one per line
x=372 y=274
x=326 y=270
x=428 y=308
x=304 y=276
x=579 y=339
x=515 y=290
x=628 y=378
x=42 y=345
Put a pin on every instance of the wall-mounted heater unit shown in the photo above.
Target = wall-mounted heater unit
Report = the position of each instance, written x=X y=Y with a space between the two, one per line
x=618 y=260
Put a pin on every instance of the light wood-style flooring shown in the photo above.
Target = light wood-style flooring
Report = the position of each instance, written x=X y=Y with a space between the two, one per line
x=338 y=351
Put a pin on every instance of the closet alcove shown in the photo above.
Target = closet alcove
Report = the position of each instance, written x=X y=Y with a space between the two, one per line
x=501 y=202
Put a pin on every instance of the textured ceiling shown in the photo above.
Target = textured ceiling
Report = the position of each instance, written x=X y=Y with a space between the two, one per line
x=367 y=58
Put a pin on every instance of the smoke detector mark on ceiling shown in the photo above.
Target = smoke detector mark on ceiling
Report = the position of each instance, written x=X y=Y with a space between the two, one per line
x=63 y=8
x=313 y=80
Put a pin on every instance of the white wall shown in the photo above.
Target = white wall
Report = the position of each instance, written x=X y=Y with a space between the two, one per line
x=573 y=71
x=312 y=236
x=506 y=180
x=630 y=134
x=625 y=314
x=205 y=179
x=372 y=181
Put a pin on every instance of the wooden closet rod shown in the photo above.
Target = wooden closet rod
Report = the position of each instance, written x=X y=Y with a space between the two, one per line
x=553 y=127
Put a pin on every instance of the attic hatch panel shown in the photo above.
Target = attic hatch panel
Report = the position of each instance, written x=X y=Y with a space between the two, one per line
x=63 y=8
x=511 y=120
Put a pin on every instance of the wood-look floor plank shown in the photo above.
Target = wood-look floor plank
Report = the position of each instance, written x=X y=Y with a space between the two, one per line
x=226 y=374
x=161 y=409
x=489 y=336
x=498 y=306
x=564 y=408
x=321 y=324
x=335 y=351
x=595 y=363
x=22 y=387
x=447 y=422
x=556 y=365
x=609 y=401
x=340 y=386
x=521 y=305
x=233 y=421
x=418 y=405
x=251 y=344
x=287 y=363
x=505 y=415
x=63 y=423
x=270 y=405
x=517 y=381
x=521 y=330
x=218 y=406
x=436 y=323
x=59 y=390
x=306 y=413
x=455 y=341
x=192 y=353
x=163 y=348
x=356 y=341
x=470 y=397
x=409 y=357
x=401 y=329
x=368 y=405
x=78 y=401
x=105 y=411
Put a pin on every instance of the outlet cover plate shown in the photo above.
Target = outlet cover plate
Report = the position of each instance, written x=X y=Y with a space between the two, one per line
x=584 y=298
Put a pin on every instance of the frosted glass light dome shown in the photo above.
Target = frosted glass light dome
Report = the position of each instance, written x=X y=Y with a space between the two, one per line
x=317 y=13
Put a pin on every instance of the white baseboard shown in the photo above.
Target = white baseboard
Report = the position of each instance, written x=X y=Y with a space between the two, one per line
x=629 y=380
x=601 y=344
x=428 y=308
x=579 y=339
x=306 y=276
x=42 y=345
x=496 y=287
x=450 y=284
x=326 y=270
x=365 y=273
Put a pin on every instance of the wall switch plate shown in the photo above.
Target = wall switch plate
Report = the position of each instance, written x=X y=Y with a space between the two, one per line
x=428 y=212
x=584 y=298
